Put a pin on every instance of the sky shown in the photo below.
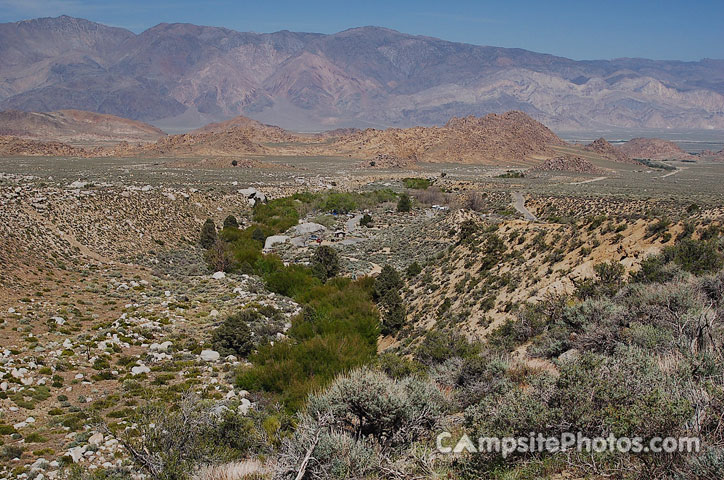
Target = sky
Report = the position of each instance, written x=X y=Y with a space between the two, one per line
x=583 y=29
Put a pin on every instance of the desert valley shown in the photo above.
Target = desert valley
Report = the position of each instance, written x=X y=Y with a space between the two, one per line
x=253 y=299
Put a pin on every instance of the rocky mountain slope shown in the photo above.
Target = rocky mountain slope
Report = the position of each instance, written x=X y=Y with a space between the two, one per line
x=361 y=77
x=76 y=127
x=653 y=149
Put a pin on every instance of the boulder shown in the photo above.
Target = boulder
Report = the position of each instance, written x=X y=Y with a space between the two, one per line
x=95 y=440
x=210 y=355
x=140 y=369
x=309 y=227
x=274 y=240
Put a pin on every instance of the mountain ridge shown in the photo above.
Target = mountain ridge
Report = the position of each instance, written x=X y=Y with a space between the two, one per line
x=363 y=76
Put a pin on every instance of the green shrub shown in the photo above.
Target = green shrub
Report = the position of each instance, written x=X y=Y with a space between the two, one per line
x=413 y=270
x=367 y=402
x=233 y=336
x=655 y=269
x=439 y=346
x=339 y=202
x=416 y=183
x=230 y=222
x=9 y=452
x=697 y=257
x=278 y=215
x=366 y=220
x=336 y=332
x=170 y=442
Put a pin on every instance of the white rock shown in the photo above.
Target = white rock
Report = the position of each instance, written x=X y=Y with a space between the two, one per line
x=160 y=347
x=244 y=406
x=139 y=369
x=248 y=192
x=210 y=355
x=310 y=227
x=218 y=275
x=96 y=439
x=214 y=313
x=273 y=240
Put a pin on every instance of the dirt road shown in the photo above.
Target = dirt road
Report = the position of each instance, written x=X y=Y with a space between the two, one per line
x=519 y=204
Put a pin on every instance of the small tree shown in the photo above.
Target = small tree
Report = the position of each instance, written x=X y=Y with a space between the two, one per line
x=233 y=337
x=387 y=294
x=394 y=314
x=230 y=222
x=404 y=204
x=219 y=257
x=325 y=263
x=208 y=234
x=387 y=280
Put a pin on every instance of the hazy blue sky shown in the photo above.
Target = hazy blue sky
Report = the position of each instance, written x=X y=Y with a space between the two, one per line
x=661 y=29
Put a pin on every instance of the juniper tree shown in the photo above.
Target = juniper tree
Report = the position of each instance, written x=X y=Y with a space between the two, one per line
x=208 y=234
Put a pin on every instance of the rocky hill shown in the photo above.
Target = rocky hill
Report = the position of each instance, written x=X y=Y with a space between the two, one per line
x=76 y=127
x=513 y=137
x=229 y=143
x=567 y=163
x=361 y=77
x=13 y=146
x=653 y=149
x=252 y=129
x=602 y=147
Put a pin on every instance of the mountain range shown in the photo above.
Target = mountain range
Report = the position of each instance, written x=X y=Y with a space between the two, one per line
x=182 y=76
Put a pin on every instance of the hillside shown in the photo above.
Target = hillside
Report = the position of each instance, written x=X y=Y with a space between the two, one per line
x=76 y=127
x=362 y=77
x=653 y=149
